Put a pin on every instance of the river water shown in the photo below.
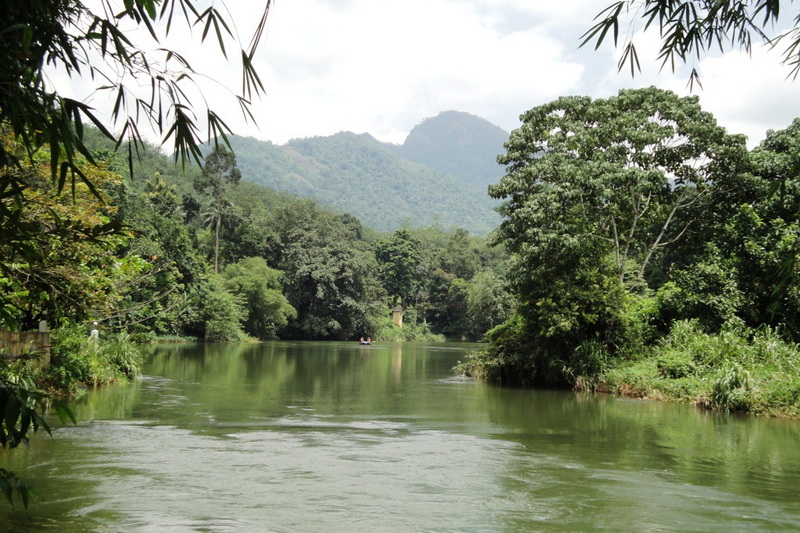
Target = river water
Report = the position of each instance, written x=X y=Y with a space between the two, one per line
x=308 y=437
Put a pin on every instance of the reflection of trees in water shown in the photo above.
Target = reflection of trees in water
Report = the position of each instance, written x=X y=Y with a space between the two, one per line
x=734 y=453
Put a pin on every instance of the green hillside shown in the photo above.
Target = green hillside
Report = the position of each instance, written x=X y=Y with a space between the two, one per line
x=460 y=144
x=359 y=175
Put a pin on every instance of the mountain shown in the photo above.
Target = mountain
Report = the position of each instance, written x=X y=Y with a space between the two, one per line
x=460 y=144
x=386 y=186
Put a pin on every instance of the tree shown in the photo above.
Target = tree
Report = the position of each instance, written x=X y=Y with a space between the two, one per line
x=93 y=44
x=60 y=259
x=220 y=173
x=489 y=303
x=329 y=274
x=267 y=309
x=613 y=173
x=399 y=260
x=694 y=27
x=593 y=191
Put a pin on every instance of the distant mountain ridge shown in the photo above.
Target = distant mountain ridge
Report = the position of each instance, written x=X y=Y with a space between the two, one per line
x=438 y=176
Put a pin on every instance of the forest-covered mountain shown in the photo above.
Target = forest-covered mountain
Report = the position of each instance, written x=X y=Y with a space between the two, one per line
x=386 y=186
x=460 y=144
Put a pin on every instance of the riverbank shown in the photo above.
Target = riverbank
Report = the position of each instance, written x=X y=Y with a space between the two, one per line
x=735 y=370
x=77 y=362
x=757 y=373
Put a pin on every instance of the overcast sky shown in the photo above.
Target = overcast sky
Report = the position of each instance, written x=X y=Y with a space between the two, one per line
x=383 y=66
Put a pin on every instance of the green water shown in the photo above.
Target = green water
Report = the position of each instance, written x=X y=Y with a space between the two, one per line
x=314 y=437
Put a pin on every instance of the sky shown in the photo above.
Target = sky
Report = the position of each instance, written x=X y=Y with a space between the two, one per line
x=381 y=67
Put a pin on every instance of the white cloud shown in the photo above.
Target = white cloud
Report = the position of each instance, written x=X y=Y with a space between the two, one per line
x=382 y=67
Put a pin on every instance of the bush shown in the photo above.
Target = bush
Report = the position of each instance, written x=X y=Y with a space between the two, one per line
x=731 y=389
x=675 y=365
x=78 y=362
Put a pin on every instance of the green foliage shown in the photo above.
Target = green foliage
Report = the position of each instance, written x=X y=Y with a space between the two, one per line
x=58 y=258
x=399 y=261
x=511 y=357
x=222 y=312
x=675 y=365
x=412 y=330
x=731 y=387
x=330 y=274
x=267 y=310
x=9 y=482
x=734 y=370
x=89 y=43
x=489 y=303
x=595 y=191
x=78 y=361
x=359 y=175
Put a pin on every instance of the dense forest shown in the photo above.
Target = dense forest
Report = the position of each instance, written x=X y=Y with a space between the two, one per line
x=654 y=254
x=201 y=253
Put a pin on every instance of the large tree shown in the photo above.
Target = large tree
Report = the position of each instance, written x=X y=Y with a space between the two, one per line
x=266 y=308
x=594 y=190
x=399 y=261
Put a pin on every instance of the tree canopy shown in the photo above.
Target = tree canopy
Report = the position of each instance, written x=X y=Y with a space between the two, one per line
x=594 y=190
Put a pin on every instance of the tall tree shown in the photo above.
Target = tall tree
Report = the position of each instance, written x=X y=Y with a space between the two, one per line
x=399 y=260
x=266 y=308
x=329 y=273
x=219 y=173
x=593 y=190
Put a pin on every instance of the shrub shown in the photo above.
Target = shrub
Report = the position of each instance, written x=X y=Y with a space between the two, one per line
x=675 y=365
x=731 y=389
x=78 y=361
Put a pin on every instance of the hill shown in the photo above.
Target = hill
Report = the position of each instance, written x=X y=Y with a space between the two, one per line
x=371 y=180
x=460 y=144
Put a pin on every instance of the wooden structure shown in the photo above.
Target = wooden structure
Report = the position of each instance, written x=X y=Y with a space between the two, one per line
x=23 y=344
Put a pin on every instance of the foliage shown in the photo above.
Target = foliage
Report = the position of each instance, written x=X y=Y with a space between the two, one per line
x=329 y=274
x=59 y=258
x=221 y=312
x=22 y=407
x=489 y=303
x=595 y=192
x=79 y=361
x=96 y=44
x=267 y=309
x=219 y=173
x=734 y=370
x=412 y=330
x=359 y=175
x=398 y=265
x=693 y=28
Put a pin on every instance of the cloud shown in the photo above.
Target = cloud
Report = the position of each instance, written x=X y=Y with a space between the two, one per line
x=382 y=67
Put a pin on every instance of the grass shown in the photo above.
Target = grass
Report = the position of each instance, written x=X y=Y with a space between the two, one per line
x=734 y=370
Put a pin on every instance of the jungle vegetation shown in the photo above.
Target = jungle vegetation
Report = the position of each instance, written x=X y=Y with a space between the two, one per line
x=653 y=254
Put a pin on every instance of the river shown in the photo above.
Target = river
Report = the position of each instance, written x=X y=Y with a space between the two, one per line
x=309 y=437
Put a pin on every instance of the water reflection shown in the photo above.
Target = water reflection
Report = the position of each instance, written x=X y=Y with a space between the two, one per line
x=338 y=437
